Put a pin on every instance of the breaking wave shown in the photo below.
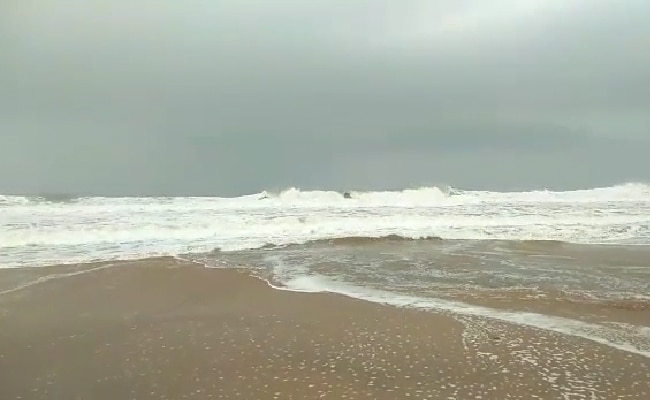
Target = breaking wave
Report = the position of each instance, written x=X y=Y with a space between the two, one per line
x=416 y=196
x=38 y=230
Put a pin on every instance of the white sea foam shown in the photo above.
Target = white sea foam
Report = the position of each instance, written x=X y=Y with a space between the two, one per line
x=36 y=231
x=601 y=334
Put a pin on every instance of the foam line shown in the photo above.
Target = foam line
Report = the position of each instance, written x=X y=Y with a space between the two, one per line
x=51 y=277
x=570 y=327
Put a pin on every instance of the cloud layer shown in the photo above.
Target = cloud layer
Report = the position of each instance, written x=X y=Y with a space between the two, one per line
x=235 y=96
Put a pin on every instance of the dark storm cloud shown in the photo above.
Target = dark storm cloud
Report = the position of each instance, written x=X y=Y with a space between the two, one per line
x=234 y=96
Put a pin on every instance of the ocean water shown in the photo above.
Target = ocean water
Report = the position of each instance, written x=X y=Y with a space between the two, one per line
x=40 y=231
x=422 y=248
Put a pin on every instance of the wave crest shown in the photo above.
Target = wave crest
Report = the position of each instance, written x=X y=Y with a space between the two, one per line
x=350 y=241
x=365 y=240
x=413 y=197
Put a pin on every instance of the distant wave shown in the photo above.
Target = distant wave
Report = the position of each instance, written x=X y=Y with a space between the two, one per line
x=436 y=192
x=9 y=200
x=433 y=195
x=415 y=196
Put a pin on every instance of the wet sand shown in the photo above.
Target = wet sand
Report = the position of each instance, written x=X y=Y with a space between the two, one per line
x=163 y=329
x=578 y=306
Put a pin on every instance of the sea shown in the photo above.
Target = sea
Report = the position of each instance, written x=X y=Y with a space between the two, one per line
x=429 y=248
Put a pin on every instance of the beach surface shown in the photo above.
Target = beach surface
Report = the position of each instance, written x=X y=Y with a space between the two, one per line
x=167 y=329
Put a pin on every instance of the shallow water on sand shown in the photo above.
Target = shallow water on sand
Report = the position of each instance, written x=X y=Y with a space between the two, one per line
x=601 y=293
x=437 y=267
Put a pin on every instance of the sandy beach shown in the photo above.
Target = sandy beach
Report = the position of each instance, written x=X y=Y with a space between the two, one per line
x=165 y=329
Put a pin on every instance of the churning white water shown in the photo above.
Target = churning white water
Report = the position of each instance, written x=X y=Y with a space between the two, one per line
x=36 y=231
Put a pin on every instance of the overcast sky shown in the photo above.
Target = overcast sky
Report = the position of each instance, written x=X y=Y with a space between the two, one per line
x=235 y=96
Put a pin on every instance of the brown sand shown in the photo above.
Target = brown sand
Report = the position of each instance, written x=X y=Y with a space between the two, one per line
x=161 y=329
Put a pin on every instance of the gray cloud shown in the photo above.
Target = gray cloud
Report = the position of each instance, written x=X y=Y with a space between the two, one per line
x=234 y=96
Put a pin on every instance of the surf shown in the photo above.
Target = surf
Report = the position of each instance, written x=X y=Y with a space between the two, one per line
x=39 y=231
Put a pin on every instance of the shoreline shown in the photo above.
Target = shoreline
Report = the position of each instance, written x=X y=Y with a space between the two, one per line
x=579 y=315
x=573 y=246
x=165 y=329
